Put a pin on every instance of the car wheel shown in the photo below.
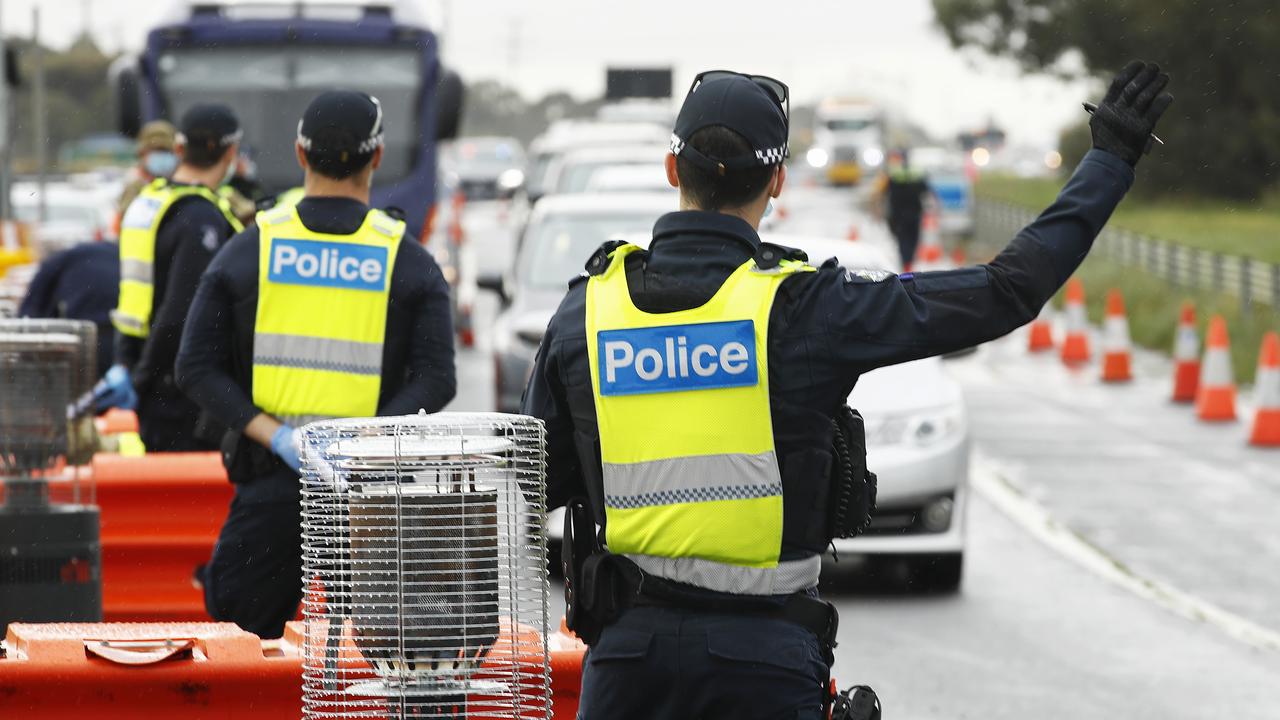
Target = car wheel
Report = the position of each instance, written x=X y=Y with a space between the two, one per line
x=939 y=573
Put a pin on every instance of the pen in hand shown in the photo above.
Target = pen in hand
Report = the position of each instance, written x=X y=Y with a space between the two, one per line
x=1091 y=109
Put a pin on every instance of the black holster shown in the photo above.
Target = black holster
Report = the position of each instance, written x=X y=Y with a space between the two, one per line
x=595 y=592
x=245 y=459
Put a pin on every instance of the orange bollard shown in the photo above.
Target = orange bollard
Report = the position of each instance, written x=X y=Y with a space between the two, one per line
x=1266 y=388
x=930 y=249
x=1186 y=357
x=1041 y=336
x=1117 y=356
x=1216 y=396
x=1075 y=348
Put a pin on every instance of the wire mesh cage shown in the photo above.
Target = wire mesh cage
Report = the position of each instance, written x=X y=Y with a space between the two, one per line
x=424 y=568
x=83 y=369
x=49 y=551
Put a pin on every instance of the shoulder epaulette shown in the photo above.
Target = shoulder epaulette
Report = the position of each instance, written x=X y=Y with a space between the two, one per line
x=599 y=260
x=770 y=256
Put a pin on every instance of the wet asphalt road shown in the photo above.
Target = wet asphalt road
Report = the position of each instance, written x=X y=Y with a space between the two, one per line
x=1030 y=635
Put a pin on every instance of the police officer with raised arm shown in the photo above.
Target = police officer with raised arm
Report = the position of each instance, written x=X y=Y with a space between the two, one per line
x=324 y=309
x=168 y=235
x=689 y=392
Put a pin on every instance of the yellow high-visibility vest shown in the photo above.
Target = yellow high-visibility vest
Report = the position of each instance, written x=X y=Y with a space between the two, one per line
x=692 y=485
x=322 y=316
x=290 y=197
x=138 y=229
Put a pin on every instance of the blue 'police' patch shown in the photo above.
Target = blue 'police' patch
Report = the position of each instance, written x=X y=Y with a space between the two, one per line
x=328 y=264
x=676 y=358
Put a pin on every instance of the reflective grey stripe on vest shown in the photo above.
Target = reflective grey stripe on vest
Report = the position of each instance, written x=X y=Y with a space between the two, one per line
x=699 y=478
x=297 y=421
x=119 y=319
x=136 y=270
x=312 y=353
x=788 y=577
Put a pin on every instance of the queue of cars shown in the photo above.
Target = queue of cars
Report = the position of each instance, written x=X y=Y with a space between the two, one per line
x=588 y=182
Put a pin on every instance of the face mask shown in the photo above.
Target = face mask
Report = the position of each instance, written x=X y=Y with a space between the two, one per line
x=160 y=163
x=768 y=209
x=231 y=172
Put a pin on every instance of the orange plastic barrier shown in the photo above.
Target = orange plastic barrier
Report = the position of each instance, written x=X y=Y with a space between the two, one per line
x=161 y=514
x=116 y=421
x=192 y=671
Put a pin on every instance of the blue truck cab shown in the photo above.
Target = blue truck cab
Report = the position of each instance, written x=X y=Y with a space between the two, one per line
x=267 y=60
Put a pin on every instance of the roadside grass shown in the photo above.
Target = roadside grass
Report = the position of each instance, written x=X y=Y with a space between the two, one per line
x=1250 y=229
x=1153 y=307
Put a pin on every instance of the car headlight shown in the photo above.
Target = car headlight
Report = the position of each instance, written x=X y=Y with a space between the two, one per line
x=817 y=157
x=511 y=179
x=922 y=429
x=872 y=157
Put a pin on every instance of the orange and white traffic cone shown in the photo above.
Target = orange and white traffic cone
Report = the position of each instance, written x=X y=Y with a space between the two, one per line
x=1266 y=388
x=930 y=250
x=1216 y=396
x=1116 y=353
x=1041 y=336
x=853 y=233
x=1075 y=348
x=1186 y=357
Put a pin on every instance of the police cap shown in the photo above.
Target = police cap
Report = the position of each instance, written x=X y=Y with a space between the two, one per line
x=340 y=130
x=752 y=106
x=212 y=125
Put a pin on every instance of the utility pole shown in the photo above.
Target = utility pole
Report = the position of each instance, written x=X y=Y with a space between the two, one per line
x=4 y=128
x=41 y=131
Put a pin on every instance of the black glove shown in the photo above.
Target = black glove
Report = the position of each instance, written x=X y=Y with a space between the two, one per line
x=1125 y=118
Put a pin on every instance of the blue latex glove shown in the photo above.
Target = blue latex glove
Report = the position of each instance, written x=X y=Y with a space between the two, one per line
x=284 y=442
x=115 y=390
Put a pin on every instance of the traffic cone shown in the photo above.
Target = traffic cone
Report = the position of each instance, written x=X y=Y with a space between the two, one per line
x=853 y=233
x=1216 y=396
x=1116 y=358
x=1041 y=335
x=1075 y=348
x=958 y=257
x=930 y=249
x=1186 y=357
x=1266 y=388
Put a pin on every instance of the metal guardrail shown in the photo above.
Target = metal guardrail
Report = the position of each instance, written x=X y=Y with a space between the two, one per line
x=1249 y=280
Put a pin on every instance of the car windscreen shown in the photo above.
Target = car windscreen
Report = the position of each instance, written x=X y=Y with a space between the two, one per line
x=849 y=124
x=269 y=87
x=575 y=177
x=557 y=248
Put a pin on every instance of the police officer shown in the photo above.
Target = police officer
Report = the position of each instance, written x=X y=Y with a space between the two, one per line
x=324 y=309
x=689 y=389
x=168 y=235
x=904 y=191
x=157 y=158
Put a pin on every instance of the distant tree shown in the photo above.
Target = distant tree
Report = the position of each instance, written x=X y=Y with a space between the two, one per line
x=1223 y=132
x=77 y=97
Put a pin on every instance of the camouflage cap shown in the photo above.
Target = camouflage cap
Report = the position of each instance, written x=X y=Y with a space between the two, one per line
x=156 y=135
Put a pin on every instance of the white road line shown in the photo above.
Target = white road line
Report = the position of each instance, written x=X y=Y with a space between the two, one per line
x=986 y=478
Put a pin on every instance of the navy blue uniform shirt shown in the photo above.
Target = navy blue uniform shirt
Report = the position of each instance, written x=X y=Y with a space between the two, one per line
x=215 y=363
x=826 y=328
x=79 y=283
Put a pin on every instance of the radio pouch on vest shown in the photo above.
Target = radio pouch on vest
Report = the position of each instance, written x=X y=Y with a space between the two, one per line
x=593 y=587
x=853 y=486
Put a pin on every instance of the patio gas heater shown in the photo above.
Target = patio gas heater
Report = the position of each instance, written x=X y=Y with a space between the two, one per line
x=424 y=563
x=49 y=552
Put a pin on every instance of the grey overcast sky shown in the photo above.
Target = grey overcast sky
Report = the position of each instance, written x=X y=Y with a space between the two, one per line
x=888 y=50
